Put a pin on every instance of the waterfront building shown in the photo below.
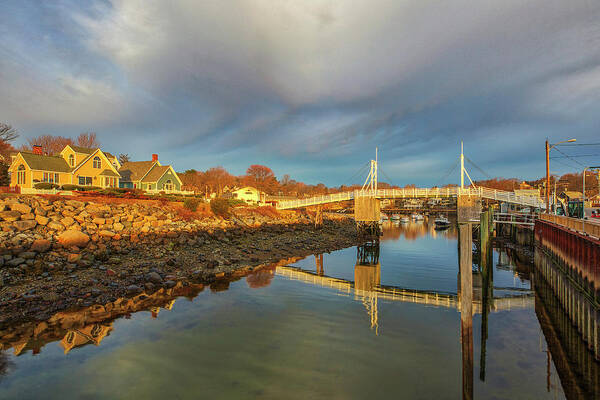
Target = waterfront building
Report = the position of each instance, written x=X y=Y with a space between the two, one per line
x=150 y=176
x=74 y=165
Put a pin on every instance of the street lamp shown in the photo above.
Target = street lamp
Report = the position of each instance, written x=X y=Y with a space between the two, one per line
x=548 y=148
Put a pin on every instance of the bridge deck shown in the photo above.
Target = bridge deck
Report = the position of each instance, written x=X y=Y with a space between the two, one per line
x=491 y=194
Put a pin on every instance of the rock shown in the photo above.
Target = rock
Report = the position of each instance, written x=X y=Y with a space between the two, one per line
x=10 y=216
x=107 y=234
x=27 y=255
x=169 y=284
x=73 y=258
x=154 y=277
x=55 y=226
x=118 y=227
x=15 y=262
x=75 y=203
x=99 y=221
x=28 y=216
x=40 y=245
x=148 y=286
x=21 y=208
x=25 y=225
x=133 y=289
x=67 y=221
x=42 y=220
x=73 y=237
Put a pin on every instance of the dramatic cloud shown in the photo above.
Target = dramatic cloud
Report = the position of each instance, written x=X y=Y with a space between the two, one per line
x=310 y=88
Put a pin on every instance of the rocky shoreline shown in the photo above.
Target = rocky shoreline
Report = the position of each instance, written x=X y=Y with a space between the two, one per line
x=104 y=252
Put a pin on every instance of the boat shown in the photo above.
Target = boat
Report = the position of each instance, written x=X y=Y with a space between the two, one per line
x=404 y=220
x=442 y=222
x=395 y=217
x=384 y=217
x=418 y=217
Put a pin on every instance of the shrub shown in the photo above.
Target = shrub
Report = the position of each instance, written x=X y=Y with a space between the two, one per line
x=80 y=188
x=191 y=203
x=69 y=187
x=237 y=203
x=45 y=185
x=220 y=207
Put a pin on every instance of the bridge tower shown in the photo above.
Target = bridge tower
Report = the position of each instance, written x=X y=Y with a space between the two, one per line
x=468 y=207
x=367 y=210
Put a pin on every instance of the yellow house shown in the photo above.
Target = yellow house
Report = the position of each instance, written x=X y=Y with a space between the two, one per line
x=74 y=165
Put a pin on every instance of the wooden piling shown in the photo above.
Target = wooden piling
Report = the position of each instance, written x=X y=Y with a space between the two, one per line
x=466 y=306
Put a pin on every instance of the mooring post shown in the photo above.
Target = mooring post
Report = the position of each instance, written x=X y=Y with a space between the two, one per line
x=466 y=306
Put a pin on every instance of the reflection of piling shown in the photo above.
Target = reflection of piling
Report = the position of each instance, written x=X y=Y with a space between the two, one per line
x=466 y=306
x=368 y=253
x=319 y=264
x=486 y=265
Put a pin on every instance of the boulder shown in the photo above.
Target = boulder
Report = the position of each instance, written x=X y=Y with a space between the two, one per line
x=67 y=221
x=25 y=225
x=40 y=246
x=73 y=237
x=154 y=277
x=99 y=221
x=42 y=220
x=10 y=216
x=55 y=226
x=118 y=227
x=22 y=208
x=106 y=234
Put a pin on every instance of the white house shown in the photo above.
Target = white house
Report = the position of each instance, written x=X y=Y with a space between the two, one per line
x=248 y=194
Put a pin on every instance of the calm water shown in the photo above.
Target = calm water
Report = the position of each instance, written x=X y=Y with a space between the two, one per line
x=283 y=334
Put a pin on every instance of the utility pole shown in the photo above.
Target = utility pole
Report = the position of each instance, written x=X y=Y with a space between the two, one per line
x=547 y=177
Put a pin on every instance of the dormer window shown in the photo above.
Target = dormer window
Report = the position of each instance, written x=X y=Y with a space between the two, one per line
x=97 y=163
x=71 y=160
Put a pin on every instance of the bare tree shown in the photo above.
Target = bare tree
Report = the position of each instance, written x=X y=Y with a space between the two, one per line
x=123 y=158
x=88 y=139
x=7 y=133
x=50 y=144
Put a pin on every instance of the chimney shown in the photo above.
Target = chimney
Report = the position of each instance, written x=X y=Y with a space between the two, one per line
x=154 y=157
x=37 y=150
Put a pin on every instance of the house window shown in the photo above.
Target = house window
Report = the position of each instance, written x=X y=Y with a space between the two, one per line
x=56 y=178
x=21 y=175
x=45 y=179
x=71 y=160
x=168 y=185
x=97 y=163
x=85 y=180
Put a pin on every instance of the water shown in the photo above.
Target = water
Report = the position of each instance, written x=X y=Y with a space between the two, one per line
x=282 y=334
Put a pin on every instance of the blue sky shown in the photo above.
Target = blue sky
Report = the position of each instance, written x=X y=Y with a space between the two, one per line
x=310 y=88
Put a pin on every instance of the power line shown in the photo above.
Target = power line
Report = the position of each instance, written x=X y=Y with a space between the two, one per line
x=579 y=144
x=568 y=156
x=581 y=155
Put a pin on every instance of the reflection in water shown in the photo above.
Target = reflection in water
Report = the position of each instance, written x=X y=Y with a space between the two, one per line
x=394 y=230
x=474 y=293
x=466 y=309
x=574 y=359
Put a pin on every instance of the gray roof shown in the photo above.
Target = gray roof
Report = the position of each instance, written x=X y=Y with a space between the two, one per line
x=46 y=163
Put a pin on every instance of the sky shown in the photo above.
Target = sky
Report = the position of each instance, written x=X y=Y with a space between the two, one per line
x=311 y=88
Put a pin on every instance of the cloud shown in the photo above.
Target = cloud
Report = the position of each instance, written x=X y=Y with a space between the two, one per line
x=322 y=82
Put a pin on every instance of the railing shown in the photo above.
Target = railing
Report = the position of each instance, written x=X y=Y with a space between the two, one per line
x=492 y=194
x=515 y=218
x=157 y=191
x=576 y=224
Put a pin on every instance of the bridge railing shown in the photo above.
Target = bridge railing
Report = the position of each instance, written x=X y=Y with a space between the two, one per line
x=492 y=194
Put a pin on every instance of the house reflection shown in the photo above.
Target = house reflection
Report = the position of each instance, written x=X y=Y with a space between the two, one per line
x=413 y=230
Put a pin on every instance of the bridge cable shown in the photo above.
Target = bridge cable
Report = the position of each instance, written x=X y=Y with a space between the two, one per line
x=477 y=168
x=387 y=176
x=357 y=173
x=447 y=174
